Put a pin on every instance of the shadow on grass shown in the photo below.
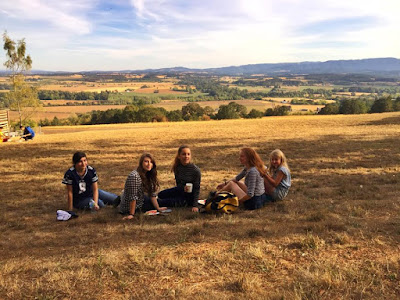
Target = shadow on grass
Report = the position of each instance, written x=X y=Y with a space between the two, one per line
x=385 y=121
x=343 y=200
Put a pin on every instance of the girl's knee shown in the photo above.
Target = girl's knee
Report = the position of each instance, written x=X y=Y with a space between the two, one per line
x=232 y=184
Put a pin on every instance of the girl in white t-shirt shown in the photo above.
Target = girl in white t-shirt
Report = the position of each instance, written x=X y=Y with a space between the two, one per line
x=278 y=180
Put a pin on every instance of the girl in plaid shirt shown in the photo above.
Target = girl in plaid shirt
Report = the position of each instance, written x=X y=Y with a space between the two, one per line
x=140 y=188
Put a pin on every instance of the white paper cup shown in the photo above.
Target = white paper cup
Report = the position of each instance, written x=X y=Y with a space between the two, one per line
x=189 y=188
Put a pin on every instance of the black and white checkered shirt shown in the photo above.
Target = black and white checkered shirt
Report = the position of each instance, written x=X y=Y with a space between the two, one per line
x=133 y=190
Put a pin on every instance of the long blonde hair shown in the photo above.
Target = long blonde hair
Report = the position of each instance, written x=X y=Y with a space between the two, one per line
x=279 y=154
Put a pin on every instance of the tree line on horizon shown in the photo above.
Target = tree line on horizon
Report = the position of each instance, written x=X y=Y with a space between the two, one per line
x=194 y=112
x=358 y=106
x=145 y=113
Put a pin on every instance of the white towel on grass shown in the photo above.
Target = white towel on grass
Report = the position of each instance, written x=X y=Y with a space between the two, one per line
x=63 y=215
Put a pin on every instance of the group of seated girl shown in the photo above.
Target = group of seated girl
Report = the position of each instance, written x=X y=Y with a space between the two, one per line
x=140 y=191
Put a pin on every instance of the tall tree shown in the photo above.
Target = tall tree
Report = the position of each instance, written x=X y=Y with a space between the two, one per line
x=192 y=111
x=381 y=105
x=21 y=94
x=352 y=106
x=330 y=109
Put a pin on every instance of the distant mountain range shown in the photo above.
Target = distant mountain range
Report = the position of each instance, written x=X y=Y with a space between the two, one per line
x=388 y=66
x=359 y=66
x=372 y=65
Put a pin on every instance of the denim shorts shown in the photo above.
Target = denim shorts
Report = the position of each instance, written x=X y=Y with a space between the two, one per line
x=255 y=202
x=279 y=193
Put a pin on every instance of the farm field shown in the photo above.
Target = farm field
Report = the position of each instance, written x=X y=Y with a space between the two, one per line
x=70 y=84
x=160 y=89
x=63 y=112
x=64 y=102
x=86 y=86
x=336 y=235
x=255 y=88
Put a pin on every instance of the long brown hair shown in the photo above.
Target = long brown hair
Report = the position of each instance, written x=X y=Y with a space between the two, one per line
x=254 y=160
x=177 y=161
x=149 y=178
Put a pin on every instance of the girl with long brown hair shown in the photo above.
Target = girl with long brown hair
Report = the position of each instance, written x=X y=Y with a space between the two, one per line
x=140 y=188
x=251 y=192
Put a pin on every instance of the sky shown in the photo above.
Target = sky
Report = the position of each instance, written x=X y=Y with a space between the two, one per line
x=87 y=35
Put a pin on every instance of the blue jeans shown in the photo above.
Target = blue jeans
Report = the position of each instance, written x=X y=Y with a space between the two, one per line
x=174 y=197
x=255 y=202
x=268 y=198
x=105 y=198
x=147 y=205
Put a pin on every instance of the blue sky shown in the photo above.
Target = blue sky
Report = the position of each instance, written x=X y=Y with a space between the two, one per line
x=82 y=35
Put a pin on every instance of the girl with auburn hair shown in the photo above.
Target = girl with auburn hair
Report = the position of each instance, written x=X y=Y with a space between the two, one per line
x=185 y=173
x=251 y=192
x=278 y=181
x=140 y=188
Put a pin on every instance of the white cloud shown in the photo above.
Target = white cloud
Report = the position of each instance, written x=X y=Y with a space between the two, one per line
x=67 y=16
x=142 y=10
x=76 y=35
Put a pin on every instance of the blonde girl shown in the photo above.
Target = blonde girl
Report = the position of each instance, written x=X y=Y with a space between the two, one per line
x=278 y=180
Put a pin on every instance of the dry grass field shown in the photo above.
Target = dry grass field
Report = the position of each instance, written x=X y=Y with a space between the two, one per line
x=78 y=86
x=336 y=236
x=120 y=87
x=63 y=112
x=64 y=102
x=69 y=83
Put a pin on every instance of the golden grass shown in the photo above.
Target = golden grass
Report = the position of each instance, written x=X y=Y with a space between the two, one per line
x=64 y=102
x=63 y=112
x=336 y=236
x=75 y=86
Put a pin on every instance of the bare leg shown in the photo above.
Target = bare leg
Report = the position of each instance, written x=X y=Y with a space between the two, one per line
x=269 y=188
x=234 y=188
x=241 y=185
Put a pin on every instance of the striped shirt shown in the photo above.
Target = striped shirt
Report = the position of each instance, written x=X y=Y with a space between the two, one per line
x=189 y=174
x=253 y=181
